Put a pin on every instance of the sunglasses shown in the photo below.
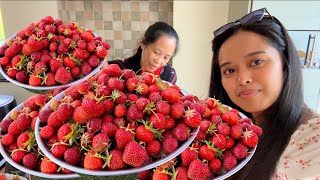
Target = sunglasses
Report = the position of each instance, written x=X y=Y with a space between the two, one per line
x=254 y=16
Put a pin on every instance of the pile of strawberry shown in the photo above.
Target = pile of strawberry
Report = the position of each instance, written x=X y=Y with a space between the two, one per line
x=224 y=140
x=18 y=137
x=49 y=52
x=118 y=120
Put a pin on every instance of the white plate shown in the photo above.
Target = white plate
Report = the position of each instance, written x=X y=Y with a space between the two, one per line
x=154 y=164
x=7 y=157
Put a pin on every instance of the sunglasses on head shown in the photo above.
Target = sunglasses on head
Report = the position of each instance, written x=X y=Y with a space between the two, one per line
x=254 y=16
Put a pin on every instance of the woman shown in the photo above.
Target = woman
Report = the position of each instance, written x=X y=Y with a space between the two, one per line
x=158 y=45
x=256 y=69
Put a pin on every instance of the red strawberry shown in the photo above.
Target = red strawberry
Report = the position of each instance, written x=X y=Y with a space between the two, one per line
x=17 y=155
x=115 y=83
x=142 y=88
x=21 y=76
x=55 y=64
x=181 y=132
x=35 y=80
x=134 y=154
x=92 y=161
x=120 y=110
x=223 y=129
x=236 y=131
x=153 y=148
x=169 y=145
x=116 y=161
x=40 y=67
x=215 y=165
x=100 y=142
x=239 y=151
x=14 y=128
x=182 y=173
x=63 y=76
x=123 y=136
x=47 y=166
x=158 y=174
x=101 y=52
x=219 y=141
x=177 y=110
x=87 y=36
x=229 y=162
x=158 y=121
x=188 y=155
x=133 y=113
x=131 y=84
x=163 y=107
x=192 y=118
x=86 y=140
x=26 y=140
x=230 y=117
x=47 y=132
x=155 y=96
x=127 y=74
x=4 y=124
x=72 y=156
x=94 y=125
x=256 y=129
x=198 y=170
x=144 y=175
x=109 y=128
x=30 y=161
x=170 y=95
x=8 y=139
x=250 y=138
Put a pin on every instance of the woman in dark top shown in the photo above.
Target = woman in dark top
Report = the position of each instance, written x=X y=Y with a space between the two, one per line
x=158 y=45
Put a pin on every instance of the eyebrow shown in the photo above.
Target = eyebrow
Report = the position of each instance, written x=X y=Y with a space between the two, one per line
x=248 y=55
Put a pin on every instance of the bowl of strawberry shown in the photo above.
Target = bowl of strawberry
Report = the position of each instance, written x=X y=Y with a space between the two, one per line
x=18 y=145
x=51 y=54
x=117 y=123
x=224 y=144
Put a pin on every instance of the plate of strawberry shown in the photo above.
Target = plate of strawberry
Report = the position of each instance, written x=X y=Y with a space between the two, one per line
x=51 y=54
x=225 y=143
x=117 y=123
x=18 y=144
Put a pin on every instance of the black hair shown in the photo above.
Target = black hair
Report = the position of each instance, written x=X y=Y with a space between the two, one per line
x=152 y=34
x=283 y=117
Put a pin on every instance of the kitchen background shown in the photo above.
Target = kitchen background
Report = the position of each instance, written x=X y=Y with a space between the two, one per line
x=121 y=23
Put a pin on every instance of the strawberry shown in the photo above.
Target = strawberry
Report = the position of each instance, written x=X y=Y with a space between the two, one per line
x=158 y=174
x=47 y=166
x=94 y=125
x=223 y=129
x=236 y=131
x=47 y=132
x=14 y=128
x=181 y=132
x=120 y=110
x=101 y=52
x=67 y=133
x=4 y=124
x=229 y=142
x=109 y=128
x=169 y=145
x=21 y=76
x=35 y=80
x=158 y=121
x=128 y=73
x=250 y=138
x=163 y=108
x=230 y=118
x=198 y=170
x=177 y=110
x=229 y=162
x=215 y=165
x=192 y=118
x=91 y=46
x=26 y=140
x=239 y=151
x=219 y=141
x=188 y=155
x=134 y=154
x=153 y=148
x=123 y=136
x=63 y=76
x=30 y=161
x=182 y=173
x=55 y=64
x=8 y=139
x=170 y=95
x=86 y=139
x=115 y=83
x=100 y=142
x=72 y=156
x=133 y=113
x=256 y=129
x=131 y=84
x=116 y=161
x=58 y=148
x=144 y=175
x=87 y=36
x=92 y=161
x=40 y=67
x=17 y=155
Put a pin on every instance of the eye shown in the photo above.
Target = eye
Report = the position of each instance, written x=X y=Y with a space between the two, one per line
x=157 y=53
x=228 y=71
x=256 y=62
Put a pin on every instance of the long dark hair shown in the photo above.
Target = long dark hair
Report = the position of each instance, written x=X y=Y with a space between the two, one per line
x=152 y=34
x=283 y=117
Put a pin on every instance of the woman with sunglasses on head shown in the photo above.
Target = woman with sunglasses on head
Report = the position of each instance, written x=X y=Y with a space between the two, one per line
x=256 y=69
x=158 y=45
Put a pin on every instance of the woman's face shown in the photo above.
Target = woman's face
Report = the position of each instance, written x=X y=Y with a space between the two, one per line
x=251 y=71
x=157 y=54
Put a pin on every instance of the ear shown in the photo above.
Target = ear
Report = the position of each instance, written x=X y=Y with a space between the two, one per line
x=142 y=46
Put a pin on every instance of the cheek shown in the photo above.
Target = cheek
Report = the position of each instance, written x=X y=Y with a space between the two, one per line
x=229 y=86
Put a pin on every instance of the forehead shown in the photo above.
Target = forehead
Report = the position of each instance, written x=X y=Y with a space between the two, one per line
x=243 y=43
x=165 y=42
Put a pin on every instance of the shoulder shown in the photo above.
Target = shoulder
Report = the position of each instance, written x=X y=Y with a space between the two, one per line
x=301 y=158
x=168 y=73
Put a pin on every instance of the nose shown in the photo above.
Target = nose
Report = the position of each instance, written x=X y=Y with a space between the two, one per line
x=244 y=77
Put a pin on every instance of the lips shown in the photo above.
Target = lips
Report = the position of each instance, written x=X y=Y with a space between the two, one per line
x=248 y=93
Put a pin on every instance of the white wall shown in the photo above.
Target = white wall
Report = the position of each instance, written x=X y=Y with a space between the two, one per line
x=195 y=22
x=18 y=14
